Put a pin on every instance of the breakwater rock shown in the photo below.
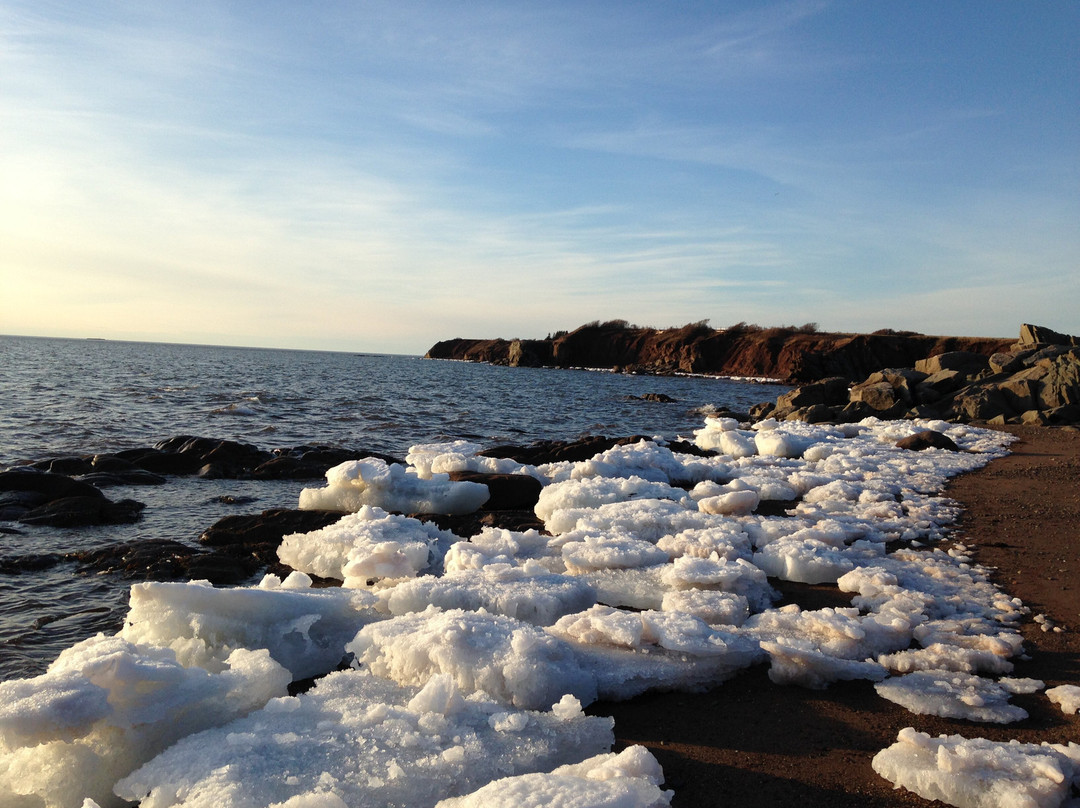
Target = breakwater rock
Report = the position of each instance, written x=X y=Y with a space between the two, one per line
x=1035 y=381
x=787 y=354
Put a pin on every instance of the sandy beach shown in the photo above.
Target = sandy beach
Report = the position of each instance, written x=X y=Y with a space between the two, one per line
x=751 y=742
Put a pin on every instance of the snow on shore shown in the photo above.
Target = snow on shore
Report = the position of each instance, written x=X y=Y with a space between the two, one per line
x=470 y=661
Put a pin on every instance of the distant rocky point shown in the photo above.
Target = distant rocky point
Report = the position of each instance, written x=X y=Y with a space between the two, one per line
x=790 y=354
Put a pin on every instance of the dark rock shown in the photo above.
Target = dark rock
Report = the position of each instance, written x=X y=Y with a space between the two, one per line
x=289 y=468
x=685 y=447
x=507 y=492
x=171 y=463
x=82 y=511
x=470 y=524
x=31 y=562
x=52 y=486
x=554 y=451
x=70 y=466
x=927 y=439
x=112 y=464
x=222 y=569
x=267 y=527
x=659 y=398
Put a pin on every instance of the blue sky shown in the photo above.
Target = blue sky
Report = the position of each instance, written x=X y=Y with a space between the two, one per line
x=379 y=176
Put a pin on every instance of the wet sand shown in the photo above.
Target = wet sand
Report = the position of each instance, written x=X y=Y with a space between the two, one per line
x=753 y=743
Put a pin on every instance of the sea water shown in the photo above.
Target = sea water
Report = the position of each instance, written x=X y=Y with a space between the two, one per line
x=61 y=397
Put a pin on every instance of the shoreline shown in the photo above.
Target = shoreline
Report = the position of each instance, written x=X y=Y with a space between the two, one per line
x=753 y=742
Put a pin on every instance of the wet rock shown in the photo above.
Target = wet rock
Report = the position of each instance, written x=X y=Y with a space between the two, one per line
x=150 y=559
x=29 y=562
x=82 y=511
x=927 y=439
x=135 y=476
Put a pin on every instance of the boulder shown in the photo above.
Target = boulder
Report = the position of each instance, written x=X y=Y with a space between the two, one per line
x=832 y=391
x=966 y=362
x=508 y=492
x=878 y=396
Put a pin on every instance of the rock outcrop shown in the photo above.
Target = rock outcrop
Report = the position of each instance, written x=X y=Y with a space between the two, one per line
x=788 y=354
x=1034 y=381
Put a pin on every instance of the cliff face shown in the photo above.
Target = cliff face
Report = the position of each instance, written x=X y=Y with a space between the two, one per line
x=785 y=354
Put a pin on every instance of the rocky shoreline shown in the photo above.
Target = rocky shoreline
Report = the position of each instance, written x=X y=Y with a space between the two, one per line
x=1035 y=381
x=786 y=354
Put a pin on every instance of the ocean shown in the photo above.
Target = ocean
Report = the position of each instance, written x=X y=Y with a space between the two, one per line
x=61 y=397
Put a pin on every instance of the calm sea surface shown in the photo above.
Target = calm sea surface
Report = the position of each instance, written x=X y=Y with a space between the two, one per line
x=75 y=397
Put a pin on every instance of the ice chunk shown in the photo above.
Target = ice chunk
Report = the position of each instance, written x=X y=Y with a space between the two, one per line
x=617 y=551
x=371 y=481
x=368 y=742
x=511 y=661
x=105 y=706
x=534 y=597
x=978 y=773
x=1065 y=696
x=739 y=577
x=304 y=629
x=650 y=461
x=715 y=608
x=368 y=544
x=629 y=779
x=945 y=657
x=500 y=546
x=723 y=435
x=593 y=492
x=952 y=695
x=632 y=652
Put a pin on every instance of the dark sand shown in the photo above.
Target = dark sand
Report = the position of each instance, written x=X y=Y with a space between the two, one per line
x=751 y=742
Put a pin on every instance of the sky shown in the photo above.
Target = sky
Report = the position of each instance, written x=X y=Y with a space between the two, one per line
x=378 y=176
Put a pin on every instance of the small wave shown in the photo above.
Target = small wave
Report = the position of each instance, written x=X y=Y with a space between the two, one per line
x=235 y=409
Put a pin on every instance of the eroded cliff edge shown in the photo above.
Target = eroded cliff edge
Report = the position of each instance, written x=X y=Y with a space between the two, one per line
x=789 y=354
